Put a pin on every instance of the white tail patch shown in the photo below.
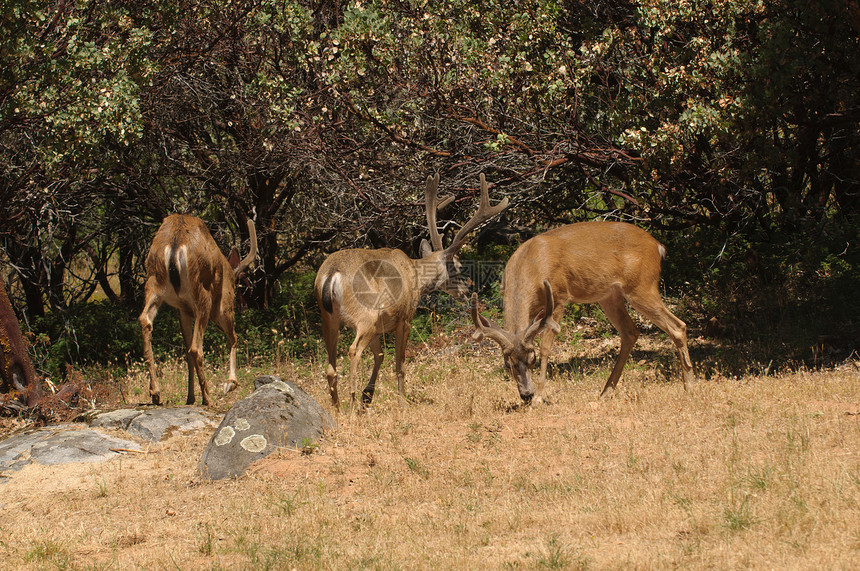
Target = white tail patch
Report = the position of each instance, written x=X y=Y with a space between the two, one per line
x=332 y=292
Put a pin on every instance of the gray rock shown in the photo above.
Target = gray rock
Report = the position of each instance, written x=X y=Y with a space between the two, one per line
x=277 y=414
x=85 y=445
x=120 y=418
x=160 y=423
x=263 y=380
x=60 y=444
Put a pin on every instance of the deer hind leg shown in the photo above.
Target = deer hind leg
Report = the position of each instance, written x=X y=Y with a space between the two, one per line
x=186 y=325
x=146 y=318
x=651 y=306
x=195 y=358
x=362 y=340
x=330 y=332
x=401 y=338
x=616 y=312
x=378 y=356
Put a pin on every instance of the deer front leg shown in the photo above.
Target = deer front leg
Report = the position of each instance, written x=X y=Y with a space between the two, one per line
x=547 y=339
x=378 y=356
x=230 y=333
x=146 y=318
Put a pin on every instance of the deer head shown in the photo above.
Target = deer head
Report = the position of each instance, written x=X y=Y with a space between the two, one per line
x=441 y=263
x=518 y=350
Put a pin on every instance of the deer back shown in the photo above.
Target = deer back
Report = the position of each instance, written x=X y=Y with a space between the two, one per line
x=583 y=262
x=187 y=263
x=374 y=287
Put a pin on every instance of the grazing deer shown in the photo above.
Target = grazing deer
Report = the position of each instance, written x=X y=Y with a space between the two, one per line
x=186 y=270
x=377 y=291
x=589 y=262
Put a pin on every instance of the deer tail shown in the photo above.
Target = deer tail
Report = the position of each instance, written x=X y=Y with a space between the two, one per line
x=331 y=291
x=177 y=265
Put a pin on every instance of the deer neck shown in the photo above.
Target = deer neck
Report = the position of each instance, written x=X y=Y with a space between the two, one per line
x=519 y=308
x=430 y=274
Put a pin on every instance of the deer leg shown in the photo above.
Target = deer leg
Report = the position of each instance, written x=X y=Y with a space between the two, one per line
x=186 y=325
x=613 y=307
x=378 y=355
x=362 y=339
x=330 y=332
x=196 y=353
x=146 y=318
x=652 y=307
x=401 y=337
x=225 y=323
x=546 y=340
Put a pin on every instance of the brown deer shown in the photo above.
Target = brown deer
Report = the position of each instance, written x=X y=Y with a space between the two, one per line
x=377 y=291
x=186 y=270
x=16 y=369
x=589 y=262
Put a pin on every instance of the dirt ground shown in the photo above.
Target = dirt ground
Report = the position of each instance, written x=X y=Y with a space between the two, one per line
x=738 y=472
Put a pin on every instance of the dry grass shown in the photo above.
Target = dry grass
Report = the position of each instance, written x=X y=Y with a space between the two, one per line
x=762 y=472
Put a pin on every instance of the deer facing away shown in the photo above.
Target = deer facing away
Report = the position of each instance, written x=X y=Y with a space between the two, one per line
x=186 y=270
x=377 y=291
x=588 y=262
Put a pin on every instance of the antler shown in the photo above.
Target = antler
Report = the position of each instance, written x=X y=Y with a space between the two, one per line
x=485 y=327
x=432 y=205
x=484 y=213
x=252 y=254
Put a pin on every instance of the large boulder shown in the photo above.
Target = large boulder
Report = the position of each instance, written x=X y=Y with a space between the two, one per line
x=277 y=414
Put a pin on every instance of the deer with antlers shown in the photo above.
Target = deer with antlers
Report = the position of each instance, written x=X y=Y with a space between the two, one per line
x=186 y=270
x=377 y=291
x=588 y=262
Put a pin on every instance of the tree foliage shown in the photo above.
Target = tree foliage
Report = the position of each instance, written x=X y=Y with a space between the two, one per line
x=735 y=120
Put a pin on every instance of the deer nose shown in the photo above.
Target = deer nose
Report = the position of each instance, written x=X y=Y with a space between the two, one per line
x=527 y=398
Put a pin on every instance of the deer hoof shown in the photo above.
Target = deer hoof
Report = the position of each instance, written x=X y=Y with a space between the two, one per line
x=156 y=399
x=228 y=386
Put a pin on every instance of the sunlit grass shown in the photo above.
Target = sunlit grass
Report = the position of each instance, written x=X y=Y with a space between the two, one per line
x=757 y=472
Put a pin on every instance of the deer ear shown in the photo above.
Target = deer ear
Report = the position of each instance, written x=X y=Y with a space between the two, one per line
x=426 y=249
x=233 y=258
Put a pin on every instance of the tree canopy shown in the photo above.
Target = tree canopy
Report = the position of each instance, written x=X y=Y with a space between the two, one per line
x=735 y=120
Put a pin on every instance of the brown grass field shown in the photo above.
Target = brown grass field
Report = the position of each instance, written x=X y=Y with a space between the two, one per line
x=758 y=472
